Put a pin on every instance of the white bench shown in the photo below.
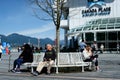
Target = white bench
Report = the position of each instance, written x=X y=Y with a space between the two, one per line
x=69 y=59
x=64 y=60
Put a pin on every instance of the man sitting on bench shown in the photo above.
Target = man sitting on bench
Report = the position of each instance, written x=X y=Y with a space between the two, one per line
x=48 y=60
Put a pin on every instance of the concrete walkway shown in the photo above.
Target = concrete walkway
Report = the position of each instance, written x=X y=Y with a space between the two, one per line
x=109 y=63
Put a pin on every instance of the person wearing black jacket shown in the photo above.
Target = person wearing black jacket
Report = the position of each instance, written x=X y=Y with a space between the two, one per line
x=48 y=59
x=25 y=56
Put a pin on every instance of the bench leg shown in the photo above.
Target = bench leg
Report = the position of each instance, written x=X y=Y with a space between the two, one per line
x=90 y=65
x=83 y=69
x=57 y=70
x=32 y=70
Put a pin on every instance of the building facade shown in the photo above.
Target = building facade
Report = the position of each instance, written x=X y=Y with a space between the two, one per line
x=92 y=20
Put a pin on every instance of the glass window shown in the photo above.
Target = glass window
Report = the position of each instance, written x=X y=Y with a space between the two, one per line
x=119 y=35
x=118 y=20
x=94 y=22
x=112 y=46
x=112 y=35
x=110 y=26
x=112 y=20
x=89 y=37
x=102 y=26
x=98 y=21
x=101 y=36
x=87 y=28
x=117 y=26
x=94 y=27
x=104 y=21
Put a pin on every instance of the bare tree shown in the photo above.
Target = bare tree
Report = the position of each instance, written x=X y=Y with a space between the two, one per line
x=54 y=8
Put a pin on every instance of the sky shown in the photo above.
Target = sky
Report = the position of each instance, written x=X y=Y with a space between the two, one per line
x=17 y=16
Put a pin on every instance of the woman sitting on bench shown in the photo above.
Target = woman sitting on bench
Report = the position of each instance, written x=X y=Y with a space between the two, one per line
x=89 y=57
x=25 y=56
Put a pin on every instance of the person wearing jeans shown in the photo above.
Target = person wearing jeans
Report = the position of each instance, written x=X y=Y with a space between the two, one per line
x=17 y=64
x=25 y=56
x=89 y=57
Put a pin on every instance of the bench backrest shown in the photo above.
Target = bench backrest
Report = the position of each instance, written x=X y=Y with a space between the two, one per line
x=75 y=57
x=64 y=58
x=37 y=57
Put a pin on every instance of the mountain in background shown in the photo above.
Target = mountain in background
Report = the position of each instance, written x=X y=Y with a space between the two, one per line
x=18 y=40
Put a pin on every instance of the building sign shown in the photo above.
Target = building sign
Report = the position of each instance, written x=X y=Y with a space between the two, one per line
x=96 y=11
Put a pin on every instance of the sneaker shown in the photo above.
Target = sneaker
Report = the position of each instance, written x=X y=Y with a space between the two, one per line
x=13 y=70
x=17 y=71
x=35 y=73
x=99 y=70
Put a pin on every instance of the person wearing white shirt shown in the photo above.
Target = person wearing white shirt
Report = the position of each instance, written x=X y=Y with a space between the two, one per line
x=89 y=57
x=1 y=48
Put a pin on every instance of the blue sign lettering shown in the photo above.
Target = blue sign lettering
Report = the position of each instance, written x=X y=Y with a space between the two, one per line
x=95 y=12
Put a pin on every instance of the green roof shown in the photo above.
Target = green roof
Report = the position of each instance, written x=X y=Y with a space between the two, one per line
x=105 y=24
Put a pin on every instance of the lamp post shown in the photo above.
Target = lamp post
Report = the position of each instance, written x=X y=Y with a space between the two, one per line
x=38 y=42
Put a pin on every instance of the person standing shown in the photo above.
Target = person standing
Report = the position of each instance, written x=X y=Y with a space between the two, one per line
x=102 y=48
x=48 y=60
x=94 y=47
x=82 y=46
x=118 y=47
x=1 y=48
x=7 y=50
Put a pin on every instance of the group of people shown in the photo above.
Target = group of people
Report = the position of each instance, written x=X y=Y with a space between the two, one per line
x=50 y=55
x=90 y=53
x=4 y=49
x=27 y=56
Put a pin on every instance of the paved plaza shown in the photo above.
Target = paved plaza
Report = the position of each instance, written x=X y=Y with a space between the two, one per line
x=109 y=63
